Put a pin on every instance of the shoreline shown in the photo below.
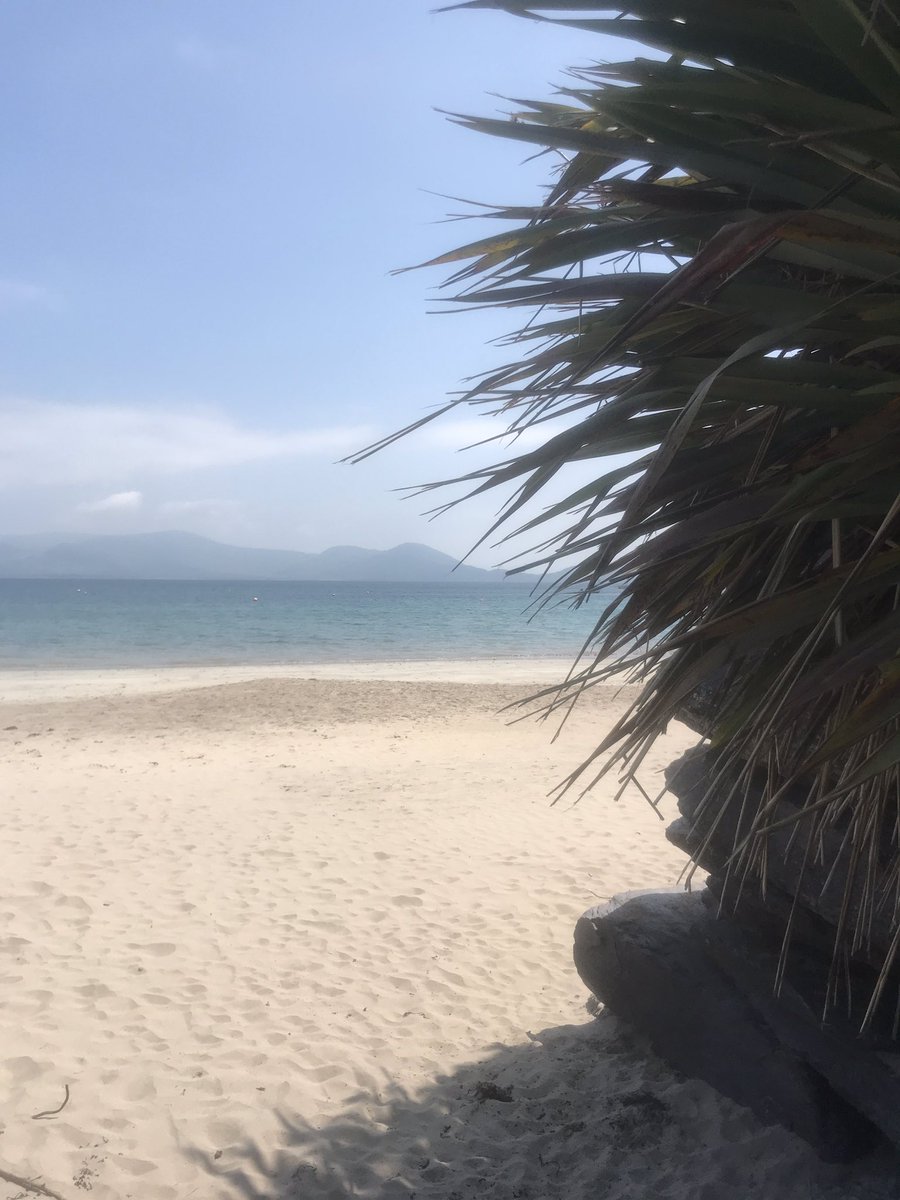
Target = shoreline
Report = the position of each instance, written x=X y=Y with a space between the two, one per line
x=48 y=684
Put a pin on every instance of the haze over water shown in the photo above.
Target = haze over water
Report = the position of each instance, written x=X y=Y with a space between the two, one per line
x=131 y=623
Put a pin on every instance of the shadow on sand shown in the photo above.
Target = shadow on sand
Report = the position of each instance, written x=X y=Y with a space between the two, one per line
x=577 y=1111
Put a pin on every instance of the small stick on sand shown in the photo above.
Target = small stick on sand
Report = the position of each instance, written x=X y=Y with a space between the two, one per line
x=37 y=1188
x=52 y=1112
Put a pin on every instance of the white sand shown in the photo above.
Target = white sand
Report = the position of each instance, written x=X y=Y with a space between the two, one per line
x=273 y=928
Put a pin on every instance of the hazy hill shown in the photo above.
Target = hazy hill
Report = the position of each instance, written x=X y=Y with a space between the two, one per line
x=170 y=555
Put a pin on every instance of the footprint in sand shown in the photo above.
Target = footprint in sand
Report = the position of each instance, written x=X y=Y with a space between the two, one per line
x=24 y=1068
x=158 y=948
x=73 y=901
x=13 y=945
x=135 y=1166
x=141 y=1088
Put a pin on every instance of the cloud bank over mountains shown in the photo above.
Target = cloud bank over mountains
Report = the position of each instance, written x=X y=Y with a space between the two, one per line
x=48 y=443
x=177 y=555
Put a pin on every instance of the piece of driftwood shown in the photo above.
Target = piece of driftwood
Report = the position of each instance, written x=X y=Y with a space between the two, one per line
x=666 y=963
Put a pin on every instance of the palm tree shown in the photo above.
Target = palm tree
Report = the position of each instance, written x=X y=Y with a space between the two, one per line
x=712 y=285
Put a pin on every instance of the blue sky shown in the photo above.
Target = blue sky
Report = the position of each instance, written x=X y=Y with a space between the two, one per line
x=203 y=203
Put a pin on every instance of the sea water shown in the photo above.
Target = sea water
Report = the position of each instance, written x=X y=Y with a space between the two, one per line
x=143 y=623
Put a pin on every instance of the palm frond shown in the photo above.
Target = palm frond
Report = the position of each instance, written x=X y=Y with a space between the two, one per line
x=757 y=383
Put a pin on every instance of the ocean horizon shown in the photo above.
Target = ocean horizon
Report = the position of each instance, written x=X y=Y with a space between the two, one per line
x=105 y=623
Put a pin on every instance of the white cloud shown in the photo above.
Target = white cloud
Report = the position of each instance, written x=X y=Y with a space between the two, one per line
x=117 y=502
x=47 y=444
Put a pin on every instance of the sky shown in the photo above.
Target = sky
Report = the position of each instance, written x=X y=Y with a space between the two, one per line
x=204 y=202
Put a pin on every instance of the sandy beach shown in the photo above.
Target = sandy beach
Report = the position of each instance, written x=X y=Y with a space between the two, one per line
x=306 y=933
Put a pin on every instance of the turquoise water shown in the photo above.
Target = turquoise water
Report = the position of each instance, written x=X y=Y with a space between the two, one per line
x=125 y=623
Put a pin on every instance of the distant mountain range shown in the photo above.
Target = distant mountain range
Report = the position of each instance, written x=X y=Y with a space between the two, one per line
x=170 y=555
